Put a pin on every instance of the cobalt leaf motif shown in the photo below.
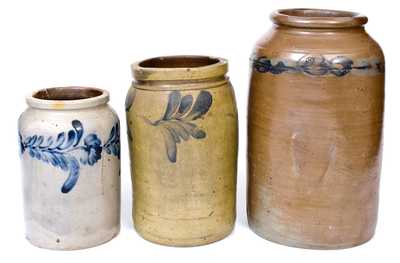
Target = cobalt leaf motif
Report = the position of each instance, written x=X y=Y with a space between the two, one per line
x=177 y=122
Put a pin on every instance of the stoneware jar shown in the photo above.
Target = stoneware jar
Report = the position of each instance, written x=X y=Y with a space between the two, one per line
x=315 y=130
x=182 y=129
x=70 y=151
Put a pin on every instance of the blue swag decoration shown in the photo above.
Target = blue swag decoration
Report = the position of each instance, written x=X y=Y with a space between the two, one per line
x=316 y=65
x=68 y=153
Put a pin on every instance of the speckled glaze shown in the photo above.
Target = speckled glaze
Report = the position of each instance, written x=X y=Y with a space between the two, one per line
x=182 y=128
x=69 y=147
x=315 y=130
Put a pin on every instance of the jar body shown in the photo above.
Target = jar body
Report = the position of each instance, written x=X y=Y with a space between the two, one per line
x=314 y=136
x=183 y=167
x=71 y=176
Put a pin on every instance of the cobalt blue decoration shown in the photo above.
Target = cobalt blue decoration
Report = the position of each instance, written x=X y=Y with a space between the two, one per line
x=315 y=65
x=63 y=152
x=177 y=122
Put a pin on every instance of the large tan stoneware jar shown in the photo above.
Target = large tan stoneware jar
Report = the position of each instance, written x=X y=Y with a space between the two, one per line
x=182 y=129
x=315 y=130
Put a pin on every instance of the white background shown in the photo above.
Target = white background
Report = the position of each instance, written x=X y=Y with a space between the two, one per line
x=93 y=43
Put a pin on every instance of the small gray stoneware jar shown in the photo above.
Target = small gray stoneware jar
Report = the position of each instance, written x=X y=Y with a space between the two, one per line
x=70 y=151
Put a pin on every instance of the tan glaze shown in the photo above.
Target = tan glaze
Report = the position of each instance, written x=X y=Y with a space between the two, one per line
x=182 y=129
x=315 y=130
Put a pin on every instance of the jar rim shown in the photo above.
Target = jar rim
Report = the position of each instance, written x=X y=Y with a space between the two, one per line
x=318 y=18
x=67 y=97
x=183 y=67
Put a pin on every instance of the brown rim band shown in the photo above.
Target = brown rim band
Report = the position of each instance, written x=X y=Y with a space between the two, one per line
x=318 y=18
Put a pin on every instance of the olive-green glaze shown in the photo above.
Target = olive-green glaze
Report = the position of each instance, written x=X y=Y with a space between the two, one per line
x=182 y=129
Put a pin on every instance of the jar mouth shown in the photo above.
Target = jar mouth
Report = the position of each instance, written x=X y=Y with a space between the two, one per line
x=186 y=67
x=71 y=97
x=318 y=18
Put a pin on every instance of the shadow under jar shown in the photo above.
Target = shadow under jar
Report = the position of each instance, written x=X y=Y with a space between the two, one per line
x=70 y=152
x=315 y=130
x=182 y=129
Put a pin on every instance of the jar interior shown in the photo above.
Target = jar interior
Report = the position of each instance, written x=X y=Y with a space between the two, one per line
x=67 y=93
x=178 y=62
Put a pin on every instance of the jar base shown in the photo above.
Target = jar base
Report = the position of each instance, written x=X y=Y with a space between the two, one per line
x=61 y=246
x=190 y=242
x=298 y=244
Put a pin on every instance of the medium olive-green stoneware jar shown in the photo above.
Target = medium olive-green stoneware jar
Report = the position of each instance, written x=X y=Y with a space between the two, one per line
x=183 y=135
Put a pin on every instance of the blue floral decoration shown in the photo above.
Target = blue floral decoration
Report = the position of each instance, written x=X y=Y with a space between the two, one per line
x=92 y=147
x=66 y=149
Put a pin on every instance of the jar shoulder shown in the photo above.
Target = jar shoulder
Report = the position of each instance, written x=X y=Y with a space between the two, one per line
x=216 y=104
x=149 y=100
x=47 y=122
x=289 y=42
